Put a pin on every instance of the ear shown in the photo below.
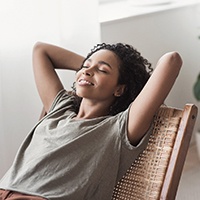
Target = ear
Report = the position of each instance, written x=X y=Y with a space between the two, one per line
x=119 y=90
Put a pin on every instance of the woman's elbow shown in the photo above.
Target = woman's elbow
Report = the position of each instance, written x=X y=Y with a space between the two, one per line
x=38 y=46
x=173 y=62
x=176 y=60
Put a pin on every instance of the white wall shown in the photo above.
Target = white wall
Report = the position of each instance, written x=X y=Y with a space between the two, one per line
x=156 y=33
x=24 y=22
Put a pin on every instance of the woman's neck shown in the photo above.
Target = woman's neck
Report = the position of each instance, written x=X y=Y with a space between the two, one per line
x=90 y=109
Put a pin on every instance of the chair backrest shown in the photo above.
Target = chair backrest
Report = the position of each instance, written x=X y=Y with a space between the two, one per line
x=156 y=173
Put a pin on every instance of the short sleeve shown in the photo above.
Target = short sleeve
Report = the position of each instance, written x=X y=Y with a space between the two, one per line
x=62 y=99
x=129 y=152
x=123 y=127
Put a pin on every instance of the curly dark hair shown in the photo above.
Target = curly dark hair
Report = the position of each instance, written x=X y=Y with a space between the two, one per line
x=134 y=71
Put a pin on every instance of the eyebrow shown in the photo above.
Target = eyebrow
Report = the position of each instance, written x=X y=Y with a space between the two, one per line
x=101 y=63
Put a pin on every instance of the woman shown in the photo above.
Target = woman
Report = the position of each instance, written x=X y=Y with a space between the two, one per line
x=88 y=139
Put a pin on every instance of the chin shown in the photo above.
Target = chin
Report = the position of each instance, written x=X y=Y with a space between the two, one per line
x=83 y=93
x=80 y=94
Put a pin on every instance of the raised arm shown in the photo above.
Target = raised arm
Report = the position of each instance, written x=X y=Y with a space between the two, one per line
x=153 y=95
x=47 y=58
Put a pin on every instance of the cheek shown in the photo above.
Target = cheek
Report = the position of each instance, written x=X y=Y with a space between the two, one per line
x=108 y=85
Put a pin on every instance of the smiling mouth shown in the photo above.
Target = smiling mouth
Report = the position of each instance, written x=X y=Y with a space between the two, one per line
x=84 y=82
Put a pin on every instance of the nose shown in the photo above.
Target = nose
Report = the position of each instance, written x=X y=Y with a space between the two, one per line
x=88 y=72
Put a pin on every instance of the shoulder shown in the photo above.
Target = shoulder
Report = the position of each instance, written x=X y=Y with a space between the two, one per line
x=63 y=99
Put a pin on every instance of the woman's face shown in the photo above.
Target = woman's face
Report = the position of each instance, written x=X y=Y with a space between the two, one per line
x=98 y=78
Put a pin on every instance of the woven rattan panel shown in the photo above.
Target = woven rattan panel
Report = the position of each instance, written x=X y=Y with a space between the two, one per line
x=143 y=181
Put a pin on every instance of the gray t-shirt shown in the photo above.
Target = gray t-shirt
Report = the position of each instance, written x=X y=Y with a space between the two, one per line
x=67 y=159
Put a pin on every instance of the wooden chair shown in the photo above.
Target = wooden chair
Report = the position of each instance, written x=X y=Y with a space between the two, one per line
x=156 y=172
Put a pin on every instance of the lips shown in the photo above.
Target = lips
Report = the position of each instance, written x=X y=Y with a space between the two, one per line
x=84 y=82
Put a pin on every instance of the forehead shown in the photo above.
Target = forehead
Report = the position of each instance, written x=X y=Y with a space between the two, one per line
x=105 y=55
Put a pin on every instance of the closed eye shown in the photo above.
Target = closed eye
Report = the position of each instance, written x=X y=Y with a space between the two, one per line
x=101 y=70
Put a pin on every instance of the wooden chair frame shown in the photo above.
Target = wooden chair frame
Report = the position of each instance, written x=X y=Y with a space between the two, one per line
x=154 y=176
